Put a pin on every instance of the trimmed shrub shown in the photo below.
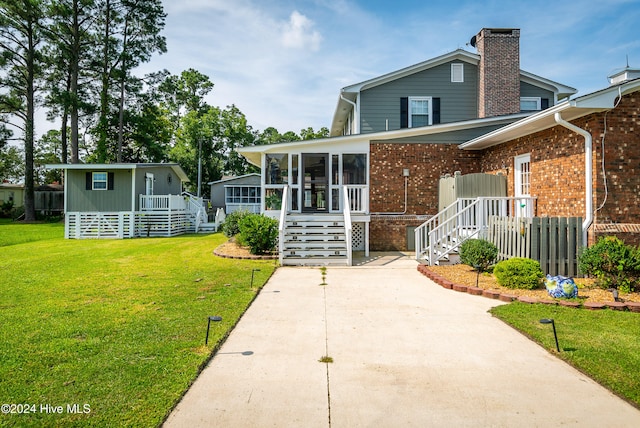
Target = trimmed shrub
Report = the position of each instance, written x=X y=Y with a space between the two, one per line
x=613 y=263
x=478 y=253
x=518 y=272
x=230 y=226
x=259 y=233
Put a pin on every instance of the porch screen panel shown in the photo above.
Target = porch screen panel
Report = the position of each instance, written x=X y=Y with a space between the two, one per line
x=277 y=168
x=354 y=168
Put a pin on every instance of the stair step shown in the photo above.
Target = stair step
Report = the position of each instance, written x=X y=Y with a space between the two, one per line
x=314 y=262
x=315 y=253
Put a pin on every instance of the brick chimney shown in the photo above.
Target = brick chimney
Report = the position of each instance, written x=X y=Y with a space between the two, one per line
x=499 y=71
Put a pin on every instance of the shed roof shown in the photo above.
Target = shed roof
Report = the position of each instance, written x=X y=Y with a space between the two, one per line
x=93 y=166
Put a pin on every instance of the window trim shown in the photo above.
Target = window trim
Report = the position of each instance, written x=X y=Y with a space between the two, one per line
x=537 y=100
x=430 y=113
x=94 y=181
x=460 y=67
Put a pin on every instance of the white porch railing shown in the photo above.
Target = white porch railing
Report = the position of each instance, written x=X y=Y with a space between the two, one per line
x=357 y=198
x=348 y=228
x=162 y=203
x=283 y=222
x=464 y=219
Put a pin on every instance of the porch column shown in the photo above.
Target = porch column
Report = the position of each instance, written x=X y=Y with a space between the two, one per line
x=366 y=239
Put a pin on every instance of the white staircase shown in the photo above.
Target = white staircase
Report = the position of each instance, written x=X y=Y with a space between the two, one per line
x=439 y=238
x=314 y=239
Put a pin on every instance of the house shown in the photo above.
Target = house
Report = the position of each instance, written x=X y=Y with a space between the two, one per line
x=375 y=180
x=128 y=200
x=12 y=194
x=237 y=193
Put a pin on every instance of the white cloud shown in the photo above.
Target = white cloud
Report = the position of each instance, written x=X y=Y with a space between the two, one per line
x=299 y=33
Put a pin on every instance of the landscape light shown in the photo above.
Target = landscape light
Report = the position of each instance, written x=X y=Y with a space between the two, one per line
x=555 y=335
x=209 y=319
x=252 y=272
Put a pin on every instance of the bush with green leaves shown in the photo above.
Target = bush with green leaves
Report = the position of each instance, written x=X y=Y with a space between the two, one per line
x=519 y=272
x=613 y=263
x=259 y=233
x=230 y=226
x=478 y=253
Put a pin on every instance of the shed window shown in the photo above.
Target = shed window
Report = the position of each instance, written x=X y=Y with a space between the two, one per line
x=242 y=194
x=99 y=181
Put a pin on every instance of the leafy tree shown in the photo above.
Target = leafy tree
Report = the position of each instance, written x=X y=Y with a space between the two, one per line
x=310 y=134
x=20 y=37
x=48 y=150
x=11 y=164
x=70 y=34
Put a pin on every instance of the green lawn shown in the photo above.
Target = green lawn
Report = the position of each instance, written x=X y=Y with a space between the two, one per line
x=114 y=326
x=604 y=344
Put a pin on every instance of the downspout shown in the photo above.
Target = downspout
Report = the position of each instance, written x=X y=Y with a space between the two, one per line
x=356 y=117
x=588 y=173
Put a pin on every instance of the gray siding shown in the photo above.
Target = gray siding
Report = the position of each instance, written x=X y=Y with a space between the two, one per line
x=217 y=189
x=528 y=90
x=458 y=101
x=161 y=185
x=451 y=137
x=81 y=199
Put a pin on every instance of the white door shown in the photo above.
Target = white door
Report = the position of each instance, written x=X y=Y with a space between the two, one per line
x=148 y=184
x=522 y=183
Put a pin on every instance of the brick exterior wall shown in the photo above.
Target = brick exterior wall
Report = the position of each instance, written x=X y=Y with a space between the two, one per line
x=558 y=170
x=426 y=163
x=499 y=72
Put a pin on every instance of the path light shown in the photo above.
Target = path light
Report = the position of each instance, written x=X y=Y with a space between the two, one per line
x=477 y=267
x=209 y=319
x=252 y=272
x=555 y=335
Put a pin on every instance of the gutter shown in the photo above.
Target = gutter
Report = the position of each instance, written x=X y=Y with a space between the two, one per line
x=588 y=174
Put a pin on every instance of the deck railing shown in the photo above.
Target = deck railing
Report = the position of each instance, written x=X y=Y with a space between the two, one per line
x=357 y=198
x=162 y=203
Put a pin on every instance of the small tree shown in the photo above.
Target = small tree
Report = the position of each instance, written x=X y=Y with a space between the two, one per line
x=478 y=253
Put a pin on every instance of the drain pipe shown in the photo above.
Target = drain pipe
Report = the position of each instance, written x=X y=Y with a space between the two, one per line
x=588 y=173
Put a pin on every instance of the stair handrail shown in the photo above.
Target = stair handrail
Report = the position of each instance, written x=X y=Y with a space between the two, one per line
x=348 y=227
x=471 y=215
x=282 y=224
x=195 y=206
x=450 y=229
x=422 y=231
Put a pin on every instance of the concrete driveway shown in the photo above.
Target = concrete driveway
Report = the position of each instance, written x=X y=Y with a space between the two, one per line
x=405 y=352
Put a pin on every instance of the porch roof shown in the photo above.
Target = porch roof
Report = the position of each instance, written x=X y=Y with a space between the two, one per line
x=604 y=99
x=177 y=169
x=253 y=153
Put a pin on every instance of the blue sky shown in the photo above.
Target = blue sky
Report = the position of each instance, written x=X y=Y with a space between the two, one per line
x=283 y=62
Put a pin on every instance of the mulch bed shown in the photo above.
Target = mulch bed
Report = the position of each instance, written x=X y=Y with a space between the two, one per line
x=463 y=278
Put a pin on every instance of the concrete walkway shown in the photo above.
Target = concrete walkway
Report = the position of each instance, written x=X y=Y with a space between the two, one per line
x=405 y=351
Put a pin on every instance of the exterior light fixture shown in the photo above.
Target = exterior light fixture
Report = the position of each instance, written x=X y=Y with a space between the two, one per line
x=209 y=319
x=555 y=335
